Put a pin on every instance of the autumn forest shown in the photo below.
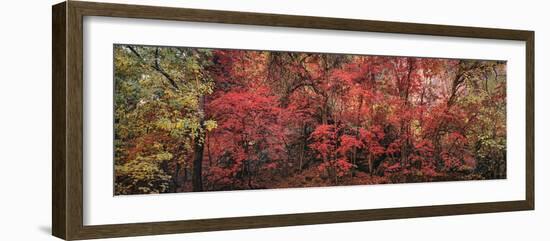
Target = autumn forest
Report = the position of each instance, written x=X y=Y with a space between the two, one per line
x=197 y=119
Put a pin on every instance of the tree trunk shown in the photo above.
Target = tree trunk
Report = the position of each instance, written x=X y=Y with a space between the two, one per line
x=175 y=178
x=303 y=146
x=209 y=153
x=197 y=164
x=371 y=168
x=249 y=173
x=357 y=135
x=199 y=149
x=185 y=174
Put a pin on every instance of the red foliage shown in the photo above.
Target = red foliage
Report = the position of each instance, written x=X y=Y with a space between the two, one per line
x=278 y=113
x=324 y=140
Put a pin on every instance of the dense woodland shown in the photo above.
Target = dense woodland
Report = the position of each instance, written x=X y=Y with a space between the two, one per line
x=190 y=119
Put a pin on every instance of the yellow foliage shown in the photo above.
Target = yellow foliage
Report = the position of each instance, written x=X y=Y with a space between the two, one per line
x=210 y=125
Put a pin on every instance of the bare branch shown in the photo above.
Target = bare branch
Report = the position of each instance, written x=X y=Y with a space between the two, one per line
x=156 y=66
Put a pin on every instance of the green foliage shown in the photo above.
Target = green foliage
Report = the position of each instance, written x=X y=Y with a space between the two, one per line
x=158 y=94
x=141 y=175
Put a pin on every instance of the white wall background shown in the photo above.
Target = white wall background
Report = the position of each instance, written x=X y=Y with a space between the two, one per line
x=25 y=119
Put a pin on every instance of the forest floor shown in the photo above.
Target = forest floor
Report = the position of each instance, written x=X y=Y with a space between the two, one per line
x=309 y=177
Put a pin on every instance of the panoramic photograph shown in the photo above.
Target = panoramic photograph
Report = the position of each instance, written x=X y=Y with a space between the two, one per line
x=190 y=119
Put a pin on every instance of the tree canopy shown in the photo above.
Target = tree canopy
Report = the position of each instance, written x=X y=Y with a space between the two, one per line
x=191 y=119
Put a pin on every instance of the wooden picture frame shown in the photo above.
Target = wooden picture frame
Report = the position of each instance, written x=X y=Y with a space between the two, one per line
x=67 y=124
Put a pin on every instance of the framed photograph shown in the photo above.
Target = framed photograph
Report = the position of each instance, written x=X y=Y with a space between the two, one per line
x=171 y=120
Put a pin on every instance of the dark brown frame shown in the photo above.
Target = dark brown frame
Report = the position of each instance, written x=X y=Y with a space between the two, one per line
x=67 y=123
